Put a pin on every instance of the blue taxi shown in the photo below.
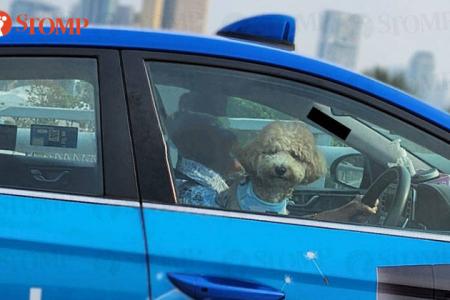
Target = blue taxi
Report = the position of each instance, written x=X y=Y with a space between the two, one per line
x=95 y=129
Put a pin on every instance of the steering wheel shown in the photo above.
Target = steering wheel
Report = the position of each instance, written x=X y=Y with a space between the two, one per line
x=389 y=176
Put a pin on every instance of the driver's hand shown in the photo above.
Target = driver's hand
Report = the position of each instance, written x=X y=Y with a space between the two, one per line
x=361 y=212
x=355 y=211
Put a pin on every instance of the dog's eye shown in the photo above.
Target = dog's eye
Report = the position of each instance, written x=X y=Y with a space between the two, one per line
x=295 y=156
x=269 y=152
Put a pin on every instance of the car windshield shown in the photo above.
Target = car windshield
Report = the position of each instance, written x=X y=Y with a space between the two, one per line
x=425 y=157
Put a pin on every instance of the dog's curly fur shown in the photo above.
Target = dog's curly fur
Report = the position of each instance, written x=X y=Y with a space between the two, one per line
x=282 y=156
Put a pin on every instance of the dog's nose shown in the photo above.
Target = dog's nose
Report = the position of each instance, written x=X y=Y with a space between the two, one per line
x=280 y=170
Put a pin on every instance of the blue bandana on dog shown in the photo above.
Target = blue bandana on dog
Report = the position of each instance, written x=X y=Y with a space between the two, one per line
x=203 y=187
x=248 y=201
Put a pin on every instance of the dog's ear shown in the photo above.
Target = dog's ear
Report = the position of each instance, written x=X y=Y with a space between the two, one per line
x=302 y=143
x=248 y=156
x=316 y=167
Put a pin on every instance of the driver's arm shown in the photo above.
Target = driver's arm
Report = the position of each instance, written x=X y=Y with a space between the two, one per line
x=355 y=209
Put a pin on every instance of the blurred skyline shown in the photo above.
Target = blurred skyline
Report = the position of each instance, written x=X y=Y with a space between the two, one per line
x=392 y=31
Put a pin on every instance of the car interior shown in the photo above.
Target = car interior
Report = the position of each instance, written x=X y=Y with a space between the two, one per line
x=48 y=125
x=426 y=204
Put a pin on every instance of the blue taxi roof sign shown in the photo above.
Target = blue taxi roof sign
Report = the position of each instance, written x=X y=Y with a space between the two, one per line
x=273 y=30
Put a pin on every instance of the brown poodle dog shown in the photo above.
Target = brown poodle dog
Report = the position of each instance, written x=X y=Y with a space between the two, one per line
x=281 y=157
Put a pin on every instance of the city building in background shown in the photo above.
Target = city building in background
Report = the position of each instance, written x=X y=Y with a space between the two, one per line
x=151 y=13
x=420 y=73
x=105 y=12
x=179 y=15
x=35 y=8
x=124 y=15
x=421 y=77
x=340 y=36
x=100 y=12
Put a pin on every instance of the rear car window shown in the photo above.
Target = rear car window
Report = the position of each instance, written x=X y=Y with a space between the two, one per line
x=49 y=125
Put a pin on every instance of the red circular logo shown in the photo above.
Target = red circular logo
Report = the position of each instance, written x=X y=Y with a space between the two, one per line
x=5 y=23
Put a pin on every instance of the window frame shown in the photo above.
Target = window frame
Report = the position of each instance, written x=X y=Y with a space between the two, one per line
x=143 y=113
x=117 y=168
x=150 y=146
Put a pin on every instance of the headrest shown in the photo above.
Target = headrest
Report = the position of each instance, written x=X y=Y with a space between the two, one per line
x=202 y=138
x=198 y=123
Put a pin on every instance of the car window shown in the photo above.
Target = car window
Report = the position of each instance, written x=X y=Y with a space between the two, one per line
x=49 y=112
x=249 y=142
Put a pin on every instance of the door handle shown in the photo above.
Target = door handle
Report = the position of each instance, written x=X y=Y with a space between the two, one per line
x=37 y=175
x=216 y=288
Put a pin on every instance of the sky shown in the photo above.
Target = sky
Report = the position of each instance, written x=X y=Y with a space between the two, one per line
x=393 y=29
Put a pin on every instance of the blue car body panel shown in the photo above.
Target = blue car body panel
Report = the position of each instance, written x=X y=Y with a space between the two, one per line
x=222 y=47
x=275 y=254
x=70 y=250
